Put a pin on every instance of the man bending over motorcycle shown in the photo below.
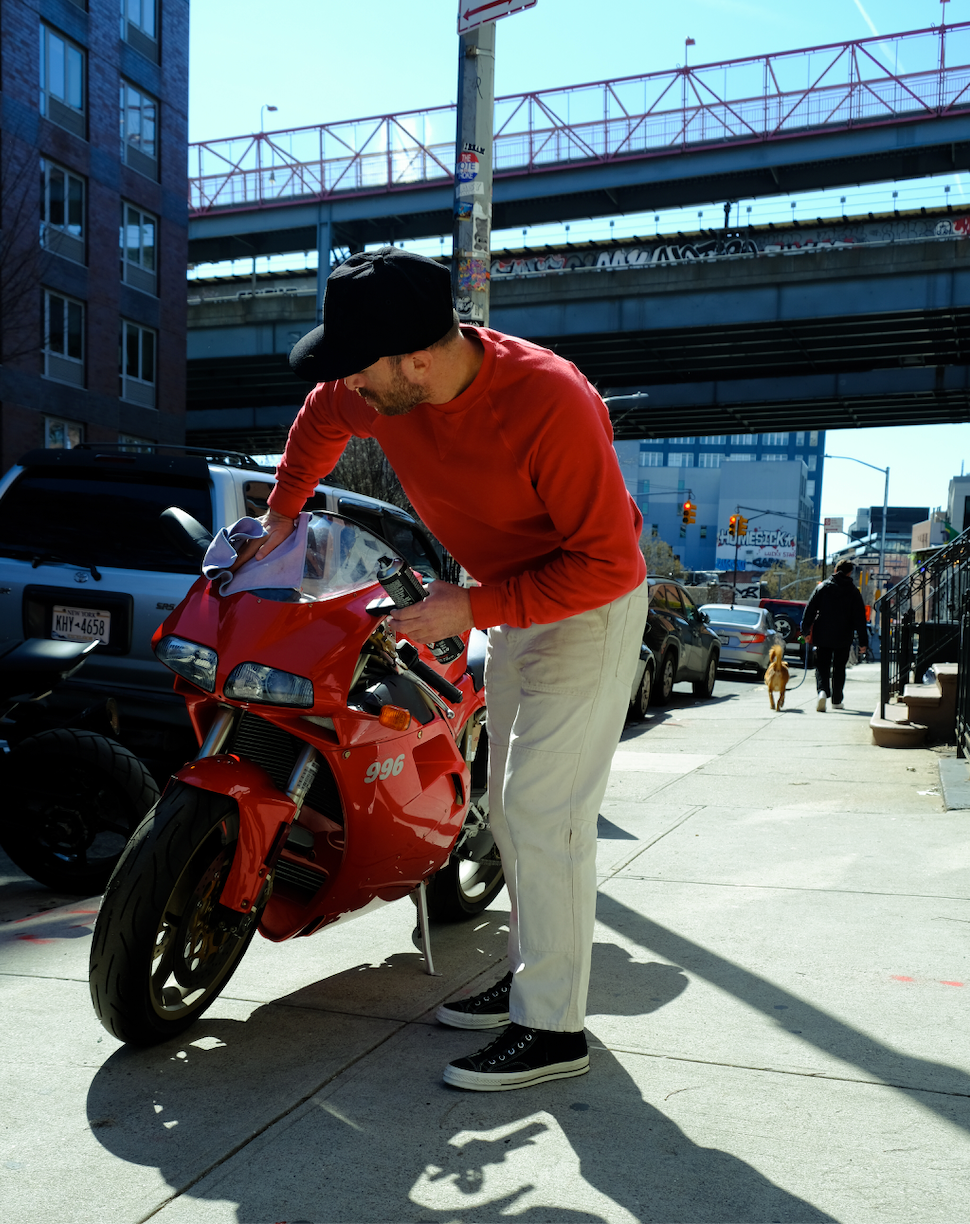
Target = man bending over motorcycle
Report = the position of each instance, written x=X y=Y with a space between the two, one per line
x=505 y=451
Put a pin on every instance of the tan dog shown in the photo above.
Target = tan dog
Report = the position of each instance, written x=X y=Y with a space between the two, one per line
x=776 y=676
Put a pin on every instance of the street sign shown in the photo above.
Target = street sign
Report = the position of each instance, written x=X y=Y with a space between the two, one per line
x=473 y=13
x=833 y=526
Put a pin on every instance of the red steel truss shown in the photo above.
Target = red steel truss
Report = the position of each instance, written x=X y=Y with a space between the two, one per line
x=896 y=78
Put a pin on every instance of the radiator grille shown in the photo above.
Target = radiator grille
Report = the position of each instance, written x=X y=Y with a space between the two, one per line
x=296 y=877
x=275 y=750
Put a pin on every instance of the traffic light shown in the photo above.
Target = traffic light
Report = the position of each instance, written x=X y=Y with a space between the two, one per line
x=742 y=525
x=690 y=512
x=733 y=525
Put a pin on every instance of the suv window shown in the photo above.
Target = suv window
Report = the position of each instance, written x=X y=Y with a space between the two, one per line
x=105 y=518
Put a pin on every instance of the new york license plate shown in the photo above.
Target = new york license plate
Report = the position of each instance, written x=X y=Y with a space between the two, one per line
x=80 y=624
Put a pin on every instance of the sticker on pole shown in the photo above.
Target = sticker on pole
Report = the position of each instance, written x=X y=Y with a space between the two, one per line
x=474 y=13
x=467 y=168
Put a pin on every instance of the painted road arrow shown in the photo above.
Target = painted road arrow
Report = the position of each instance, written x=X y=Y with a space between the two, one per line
x=475 y=15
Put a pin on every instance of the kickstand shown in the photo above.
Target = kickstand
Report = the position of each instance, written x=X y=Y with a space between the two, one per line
x=424 y=929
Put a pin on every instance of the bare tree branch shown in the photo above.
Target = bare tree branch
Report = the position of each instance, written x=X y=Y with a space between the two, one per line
x=23 y=261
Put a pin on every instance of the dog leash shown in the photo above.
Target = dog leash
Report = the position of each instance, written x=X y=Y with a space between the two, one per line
x=792 y=687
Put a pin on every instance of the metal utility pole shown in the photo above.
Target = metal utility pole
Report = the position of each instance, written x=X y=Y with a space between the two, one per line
x=473 y=174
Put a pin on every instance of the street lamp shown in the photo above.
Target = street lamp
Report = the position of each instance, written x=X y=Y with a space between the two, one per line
x=265 y=107
x=885 y=505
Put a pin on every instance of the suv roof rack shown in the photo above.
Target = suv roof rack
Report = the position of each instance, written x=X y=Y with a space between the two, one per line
x=214 y=454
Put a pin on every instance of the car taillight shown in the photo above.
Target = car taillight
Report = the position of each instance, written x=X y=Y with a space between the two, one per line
x=748 y=639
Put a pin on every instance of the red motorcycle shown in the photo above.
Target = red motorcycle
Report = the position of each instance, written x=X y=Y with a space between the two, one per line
x=338 y=769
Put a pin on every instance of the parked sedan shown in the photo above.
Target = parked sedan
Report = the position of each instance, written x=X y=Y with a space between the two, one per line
x=746 y=635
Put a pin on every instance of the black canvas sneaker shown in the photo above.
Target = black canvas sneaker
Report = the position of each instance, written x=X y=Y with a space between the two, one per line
x=487 y=1010
x=519 y=1058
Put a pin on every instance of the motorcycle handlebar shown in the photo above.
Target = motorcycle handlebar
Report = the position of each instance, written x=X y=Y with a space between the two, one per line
x=412 y=662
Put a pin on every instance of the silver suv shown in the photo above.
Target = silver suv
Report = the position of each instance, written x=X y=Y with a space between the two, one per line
x=83 y=557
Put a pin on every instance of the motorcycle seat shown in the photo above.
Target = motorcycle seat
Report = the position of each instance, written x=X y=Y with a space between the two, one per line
x=37 y=664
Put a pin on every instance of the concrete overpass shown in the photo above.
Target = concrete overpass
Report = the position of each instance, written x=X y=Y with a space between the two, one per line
x=854 y=322
x=818 y=117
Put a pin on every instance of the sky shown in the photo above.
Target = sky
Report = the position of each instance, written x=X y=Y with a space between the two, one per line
x=319 y=61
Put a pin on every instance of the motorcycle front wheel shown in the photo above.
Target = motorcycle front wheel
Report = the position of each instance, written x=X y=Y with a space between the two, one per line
x=163 y=946
x=71 y=801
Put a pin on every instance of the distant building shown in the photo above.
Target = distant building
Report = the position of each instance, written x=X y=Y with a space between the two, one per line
x=958 y=504
x=93 y=240
x=775 y=477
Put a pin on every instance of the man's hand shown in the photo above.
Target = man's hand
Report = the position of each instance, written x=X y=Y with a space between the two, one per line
x=277 y=528
x=447 y=611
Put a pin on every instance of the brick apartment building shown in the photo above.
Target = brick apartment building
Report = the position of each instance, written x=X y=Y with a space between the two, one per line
x=93 y=222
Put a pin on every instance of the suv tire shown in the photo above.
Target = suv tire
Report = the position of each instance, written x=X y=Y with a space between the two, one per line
x=666 y=680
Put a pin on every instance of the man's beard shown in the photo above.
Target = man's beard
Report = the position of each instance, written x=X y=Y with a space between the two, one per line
x=399 y=400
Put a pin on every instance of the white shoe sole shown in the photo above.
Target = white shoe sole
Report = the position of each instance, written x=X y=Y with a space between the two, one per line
x=464 y=1020
x=497 y=1081
x=820 y=705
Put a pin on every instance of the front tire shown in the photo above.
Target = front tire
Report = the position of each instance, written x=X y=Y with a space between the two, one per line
x=705 y=688
x=71 y=800
x=163 y=946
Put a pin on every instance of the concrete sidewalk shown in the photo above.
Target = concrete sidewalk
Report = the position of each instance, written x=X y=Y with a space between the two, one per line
x=778 y=1022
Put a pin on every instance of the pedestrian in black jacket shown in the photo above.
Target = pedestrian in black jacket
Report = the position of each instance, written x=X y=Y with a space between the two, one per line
x=834 y=613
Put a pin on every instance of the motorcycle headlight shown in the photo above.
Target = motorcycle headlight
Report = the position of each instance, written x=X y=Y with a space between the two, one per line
x=254 y=682
x=189 y=660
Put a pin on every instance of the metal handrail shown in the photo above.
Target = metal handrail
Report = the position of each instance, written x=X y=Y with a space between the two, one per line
x=865 y=82
x=921 y=617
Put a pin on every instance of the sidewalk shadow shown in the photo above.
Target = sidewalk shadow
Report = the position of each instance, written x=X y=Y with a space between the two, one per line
x=389 y=1141
x=941 y=1089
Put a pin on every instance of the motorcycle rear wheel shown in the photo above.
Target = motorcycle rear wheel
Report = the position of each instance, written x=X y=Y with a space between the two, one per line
x=72 y=799
x=163 y=947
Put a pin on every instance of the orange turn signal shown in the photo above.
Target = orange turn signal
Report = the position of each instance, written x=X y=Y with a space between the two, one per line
x=395 y=718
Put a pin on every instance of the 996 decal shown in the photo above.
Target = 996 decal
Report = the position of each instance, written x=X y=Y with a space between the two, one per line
x=384 y=769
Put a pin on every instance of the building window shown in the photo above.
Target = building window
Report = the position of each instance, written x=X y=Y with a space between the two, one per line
x=651 y=458
x=813 y=438
x=137 y=364
x=800 y=438
x=709 y=459
x=61 y=211
x=62 y=81
x=774 y=439
x=654 y=531
x=812 y=462
x=128 y=442
x=743 y=457
x=744 y=439
x=139 y=26
x=680 y=459
x=139 y=113
x=683 y=532
x=62 y=435
x=713 y=440
x=776 y=458
x=703 y=532
x=137 y=242
x=63 y=339
x=810 y=488
x=680 y=441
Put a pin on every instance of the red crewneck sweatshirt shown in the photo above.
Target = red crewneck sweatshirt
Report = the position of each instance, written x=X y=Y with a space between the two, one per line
x=517 y=477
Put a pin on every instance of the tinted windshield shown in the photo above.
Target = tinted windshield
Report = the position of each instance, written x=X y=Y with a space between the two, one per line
x=732 y=616
x=340 y=557
x=102 y=518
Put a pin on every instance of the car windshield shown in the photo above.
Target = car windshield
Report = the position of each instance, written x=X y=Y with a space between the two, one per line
x=732 y=616
x=340 y=557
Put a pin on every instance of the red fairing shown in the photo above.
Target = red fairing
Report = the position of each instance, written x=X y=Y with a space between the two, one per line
x=385 y=807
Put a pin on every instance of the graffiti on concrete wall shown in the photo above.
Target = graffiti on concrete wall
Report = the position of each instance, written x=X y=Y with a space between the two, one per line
x=761 y=548
x=792 y=240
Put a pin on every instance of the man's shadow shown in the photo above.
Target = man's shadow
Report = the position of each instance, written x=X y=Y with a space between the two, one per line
x=251 y=1105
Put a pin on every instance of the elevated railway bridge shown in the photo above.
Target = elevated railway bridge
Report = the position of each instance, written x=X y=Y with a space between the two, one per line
x=865 y=323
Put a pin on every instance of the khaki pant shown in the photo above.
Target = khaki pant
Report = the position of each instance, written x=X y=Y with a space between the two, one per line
x=557 y=698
